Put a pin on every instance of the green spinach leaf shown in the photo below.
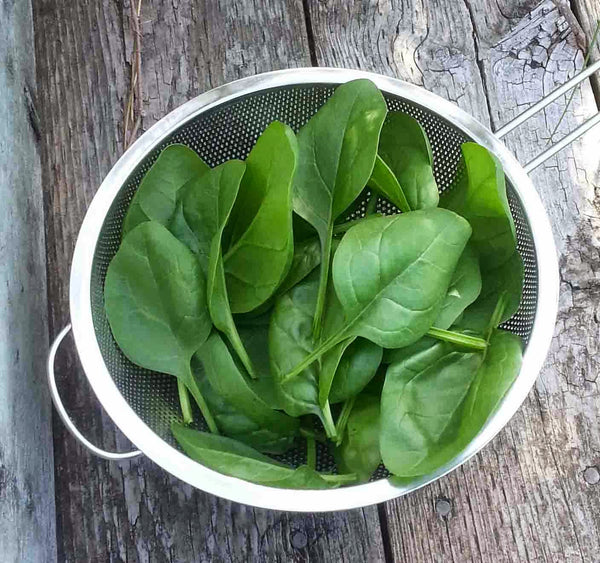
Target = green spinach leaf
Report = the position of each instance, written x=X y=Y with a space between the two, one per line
x=260 y=227
x=359 y=450
x=155 y=299
x=464 y=289
x=207 y=204
x=421 y=403
x=334 y=321
x=228 y=381
x=481 y=198
x=158 y=319
x=391 y=293
x=290 y=341
x=383 y=180
x=505 y=280
x=357 y=367
x=494 y=377
x=233 y=458
x=256 y=341
x=404 y=147
x=234 y=423
x=156 y=197
x=337 y=150
x=307 y=256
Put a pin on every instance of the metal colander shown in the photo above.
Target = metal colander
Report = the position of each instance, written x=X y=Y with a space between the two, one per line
x=223 y=124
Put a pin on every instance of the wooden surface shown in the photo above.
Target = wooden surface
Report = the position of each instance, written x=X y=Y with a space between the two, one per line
x=27 y=517
x=532 y=494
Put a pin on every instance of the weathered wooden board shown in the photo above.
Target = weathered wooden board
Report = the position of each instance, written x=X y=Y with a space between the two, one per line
x=587 y=13
x=27 y=517
x=532 y=494
x=134 y=511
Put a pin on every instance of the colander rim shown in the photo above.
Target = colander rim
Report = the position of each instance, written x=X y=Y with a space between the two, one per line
x=201 y=477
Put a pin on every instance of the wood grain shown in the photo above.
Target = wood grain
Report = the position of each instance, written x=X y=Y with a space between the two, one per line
x=135 y=511
x=524 y=498
x=27 y=517
x=587 y=13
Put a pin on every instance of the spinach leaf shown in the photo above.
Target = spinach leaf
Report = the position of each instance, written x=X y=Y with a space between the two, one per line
x=228 y=381
x=260 y=227
x=155 y=299
x=505 y=280
x=180 y=228
x=359 y=450
x=493 y=378
x=207 y=204
x=421 y=402
x=334 y=321
x=357 y=367
x=158 y=319
x=465 y=288
x=233 y=458
x=384 y=181
x=391 y=293
x=256 y=341
x=254 y=333
x=156 y=196
x=481 y=198
x=307 y=256
x=404 y=147
x=337 y=150
x=234 y=423
x=290 y=341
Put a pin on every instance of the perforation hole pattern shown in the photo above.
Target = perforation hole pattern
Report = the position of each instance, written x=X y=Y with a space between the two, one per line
x=229 y=131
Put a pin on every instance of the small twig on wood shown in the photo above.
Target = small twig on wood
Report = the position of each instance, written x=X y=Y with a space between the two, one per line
x=133 y=110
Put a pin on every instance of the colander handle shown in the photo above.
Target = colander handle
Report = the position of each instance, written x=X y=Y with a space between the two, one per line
x=568 y=139
x=62 y=412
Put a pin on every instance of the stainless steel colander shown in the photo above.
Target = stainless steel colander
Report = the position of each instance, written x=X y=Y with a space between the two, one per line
x=225 y=123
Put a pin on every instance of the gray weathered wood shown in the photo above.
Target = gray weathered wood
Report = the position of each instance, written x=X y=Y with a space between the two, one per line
x=27 y=517
x=525 y=496
x=588 y=16
x=135 y=511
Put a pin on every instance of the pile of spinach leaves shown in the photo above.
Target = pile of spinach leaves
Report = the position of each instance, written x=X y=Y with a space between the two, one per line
x=245 y=282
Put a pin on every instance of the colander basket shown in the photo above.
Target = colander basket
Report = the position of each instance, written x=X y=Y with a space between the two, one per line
x=224 y=123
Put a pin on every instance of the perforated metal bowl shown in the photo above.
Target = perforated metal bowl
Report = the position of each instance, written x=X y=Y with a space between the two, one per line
x=225 y=123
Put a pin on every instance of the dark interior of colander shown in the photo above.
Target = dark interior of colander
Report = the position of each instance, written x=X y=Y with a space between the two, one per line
x=229 y=131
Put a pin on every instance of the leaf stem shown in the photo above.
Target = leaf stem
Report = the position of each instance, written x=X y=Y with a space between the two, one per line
x=195 y=391
x=311 y=453
x=465 y=340
x=334 y=478
x=237 y=344
x=315 y=354
x=496 y=315
x=323 y=277
x=342 y=420
x=184 y=402
x=308 y=433
x=328 y=422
